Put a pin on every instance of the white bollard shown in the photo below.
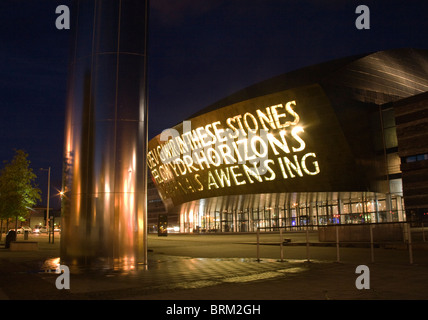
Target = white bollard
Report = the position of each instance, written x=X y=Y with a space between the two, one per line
x=258 y=243
x=281 y=245
x=307 y=244
x=337 y=244
x=409 y=235
x=371 y=243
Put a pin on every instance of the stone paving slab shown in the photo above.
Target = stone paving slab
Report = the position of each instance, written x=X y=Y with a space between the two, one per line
x=207 y=276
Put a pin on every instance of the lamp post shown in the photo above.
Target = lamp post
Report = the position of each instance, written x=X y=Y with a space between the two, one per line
x=47 y=208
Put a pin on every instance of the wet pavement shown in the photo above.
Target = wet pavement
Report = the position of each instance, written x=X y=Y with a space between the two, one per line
x=227 y=267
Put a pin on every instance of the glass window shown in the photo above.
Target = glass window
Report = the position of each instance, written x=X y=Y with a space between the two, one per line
x=345 y=208
x=357 y=207
x=396 y=186
x=381 y=205
x=370 y=206
x=411 y=159
x=394 y=203
x=388 y=118
x=390 y=138
x=421 y=157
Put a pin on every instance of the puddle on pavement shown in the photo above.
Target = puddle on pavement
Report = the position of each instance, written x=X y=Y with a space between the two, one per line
x=253 y=277
x=196 y=284
x=293 y=270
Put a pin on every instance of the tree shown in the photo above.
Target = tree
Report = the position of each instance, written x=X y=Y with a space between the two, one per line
x=18 y=191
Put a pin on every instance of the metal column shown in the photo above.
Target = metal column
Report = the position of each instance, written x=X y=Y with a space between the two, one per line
x=105 y=175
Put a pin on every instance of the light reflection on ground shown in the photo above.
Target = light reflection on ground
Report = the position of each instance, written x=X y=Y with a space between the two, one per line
x=167 y=272
x=51 y=266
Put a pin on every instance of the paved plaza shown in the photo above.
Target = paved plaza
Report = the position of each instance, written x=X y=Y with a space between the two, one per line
x=227 y=267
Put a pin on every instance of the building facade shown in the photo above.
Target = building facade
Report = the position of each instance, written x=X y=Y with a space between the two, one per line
x=317 y=146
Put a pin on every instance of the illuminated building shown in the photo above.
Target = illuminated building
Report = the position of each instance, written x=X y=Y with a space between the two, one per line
x=311 y=147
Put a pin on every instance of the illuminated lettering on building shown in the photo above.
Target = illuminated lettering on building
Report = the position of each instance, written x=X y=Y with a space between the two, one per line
x=257 y=146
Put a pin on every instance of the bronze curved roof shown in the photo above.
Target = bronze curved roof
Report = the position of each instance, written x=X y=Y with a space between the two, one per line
x=378 y=77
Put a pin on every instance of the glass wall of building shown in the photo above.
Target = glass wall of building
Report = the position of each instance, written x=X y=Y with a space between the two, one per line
x=272 y=212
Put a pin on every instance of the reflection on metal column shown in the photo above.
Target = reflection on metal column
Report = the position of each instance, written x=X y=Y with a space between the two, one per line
x=104 y=178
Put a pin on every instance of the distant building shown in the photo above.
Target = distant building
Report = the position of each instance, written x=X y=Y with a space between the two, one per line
x=37 y=217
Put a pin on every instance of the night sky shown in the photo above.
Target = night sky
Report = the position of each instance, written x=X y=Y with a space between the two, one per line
x=199 y=52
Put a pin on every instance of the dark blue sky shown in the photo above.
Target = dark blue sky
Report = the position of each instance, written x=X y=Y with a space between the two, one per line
x=200 y=52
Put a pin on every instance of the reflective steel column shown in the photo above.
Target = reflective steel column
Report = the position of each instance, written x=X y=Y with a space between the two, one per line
x=104 y=176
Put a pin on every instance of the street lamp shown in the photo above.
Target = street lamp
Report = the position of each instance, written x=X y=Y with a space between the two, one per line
x=47 y=208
